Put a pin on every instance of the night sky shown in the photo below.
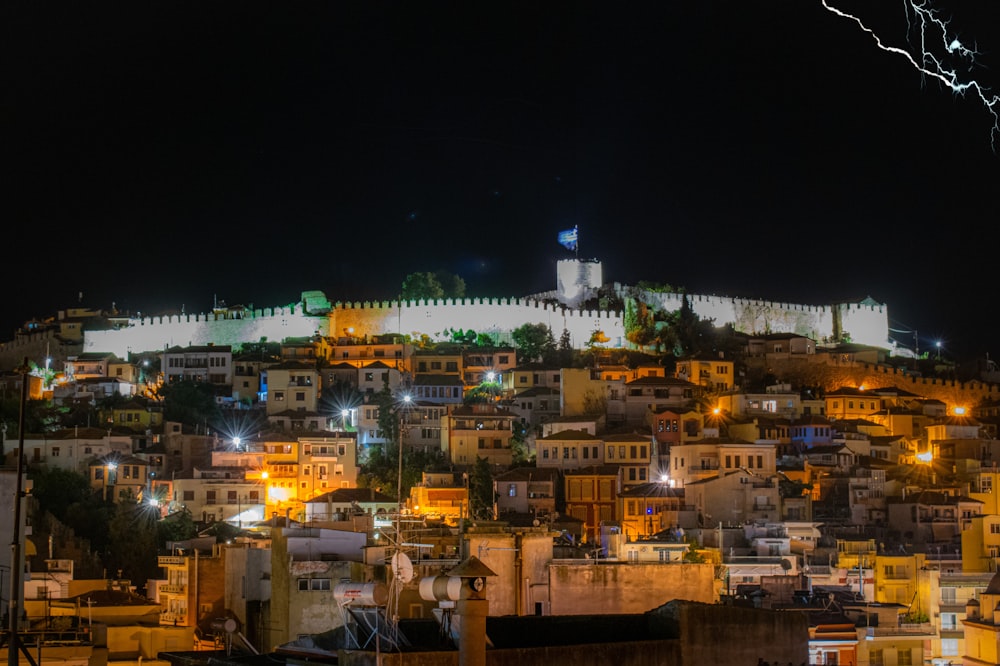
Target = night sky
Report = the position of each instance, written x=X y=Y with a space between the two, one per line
x=165 y=154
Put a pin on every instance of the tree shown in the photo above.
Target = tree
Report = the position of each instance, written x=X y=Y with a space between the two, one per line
x=639 y=326
x=565 y=349
x=426 y=285
x=481 y=490
x=421 y=286
x=132 y=538
x=175 y=527
x=533 y=342
x=189 y=402
x=55 y=490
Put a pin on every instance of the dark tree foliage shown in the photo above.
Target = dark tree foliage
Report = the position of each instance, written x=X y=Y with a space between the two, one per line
x=533 y=341
x=55 y=490
x=432 y=285
x=189 y=402
x=175 y=527
x=132 y=540
x=481 y=490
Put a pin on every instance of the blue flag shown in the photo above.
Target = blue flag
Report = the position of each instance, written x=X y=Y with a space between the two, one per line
x=568 y=238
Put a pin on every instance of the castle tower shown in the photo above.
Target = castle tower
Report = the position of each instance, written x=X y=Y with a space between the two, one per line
x=577 y=280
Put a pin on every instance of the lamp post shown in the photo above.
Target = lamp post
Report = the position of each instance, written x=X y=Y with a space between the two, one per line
x=399 y=472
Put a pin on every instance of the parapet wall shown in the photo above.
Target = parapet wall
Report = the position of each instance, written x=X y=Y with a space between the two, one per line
x=862 y=323
x=152 y=334
x=498 y=317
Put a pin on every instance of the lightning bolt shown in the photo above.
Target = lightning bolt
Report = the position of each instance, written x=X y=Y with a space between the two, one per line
x=934 y=66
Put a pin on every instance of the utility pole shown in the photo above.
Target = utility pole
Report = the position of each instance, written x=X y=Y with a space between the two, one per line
x=16 y=571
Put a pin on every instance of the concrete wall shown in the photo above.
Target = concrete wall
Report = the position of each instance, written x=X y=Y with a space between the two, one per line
x=616 y=588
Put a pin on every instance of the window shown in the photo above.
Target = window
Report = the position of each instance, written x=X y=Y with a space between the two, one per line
x=55 y=451
x=188 y=495
x=512 y=490
x=611 y=453
x=98 y=474
x=231 y=497
x=904 y=657
x=313 y=584
x=300 y=396
x=279 y=396
x=209 y=497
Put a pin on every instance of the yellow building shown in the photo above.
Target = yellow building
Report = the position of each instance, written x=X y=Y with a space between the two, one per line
x=982 y=627
x=483 y=430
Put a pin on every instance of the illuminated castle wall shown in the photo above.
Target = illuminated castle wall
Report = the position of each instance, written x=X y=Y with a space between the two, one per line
x=863 y=323
x=495 y=316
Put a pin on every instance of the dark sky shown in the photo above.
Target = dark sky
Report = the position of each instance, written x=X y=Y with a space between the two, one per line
x=161 y=154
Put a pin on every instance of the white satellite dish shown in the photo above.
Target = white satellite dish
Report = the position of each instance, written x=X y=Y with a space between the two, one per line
x=402 y=567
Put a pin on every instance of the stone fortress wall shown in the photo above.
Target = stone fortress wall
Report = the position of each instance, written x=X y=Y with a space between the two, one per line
x=862 y=323
x=865 y=324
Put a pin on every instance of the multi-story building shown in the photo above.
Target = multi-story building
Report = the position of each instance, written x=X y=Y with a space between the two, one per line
x=479 y=430
x=206 y=363
x=530 y=490
x=651 y=394
x=194 y=588
x=74 y=448
x=650 y=508
x=115 y=476
x=633 y=452
x=248 y=384
x=294 y=386
x=314 y=561
x=218 y=494
x=535 y=406
x=328 y=461
x=485 y=364
x=714 y=374
x=592 y=497
x=569 y=449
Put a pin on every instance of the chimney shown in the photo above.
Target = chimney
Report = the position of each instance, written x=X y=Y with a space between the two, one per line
x=972 y=609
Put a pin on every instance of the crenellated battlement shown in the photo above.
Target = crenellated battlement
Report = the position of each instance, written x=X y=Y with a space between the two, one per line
x=865 y=323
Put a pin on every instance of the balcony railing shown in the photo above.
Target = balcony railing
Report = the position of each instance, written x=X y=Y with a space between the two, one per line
x=167 y=560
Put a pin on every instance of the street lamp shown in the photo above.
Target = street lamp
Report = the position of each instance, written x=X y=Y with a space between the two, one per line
x=399 y=475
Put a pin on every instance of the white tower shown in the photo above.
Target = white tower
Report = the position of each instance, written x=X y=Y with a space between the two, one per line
x=577 y=280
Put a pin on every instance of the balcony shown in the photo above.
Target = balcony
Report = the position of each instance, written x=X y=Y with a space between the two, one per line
x=173 y=589
x=168 y=560
x=172 y=618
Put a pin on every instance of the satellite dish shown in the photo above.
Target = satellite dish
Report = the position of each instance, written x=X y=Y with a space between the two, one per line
x=229 y=625
x=402 y=567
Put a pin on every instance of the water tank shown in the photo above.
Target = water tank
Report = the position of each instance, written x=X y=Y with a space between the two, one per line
x=441 y=588
x=361 y=594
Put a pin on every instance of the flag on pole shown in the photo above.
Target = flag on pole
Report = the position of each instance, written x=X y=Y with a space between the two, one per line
x=568 y=238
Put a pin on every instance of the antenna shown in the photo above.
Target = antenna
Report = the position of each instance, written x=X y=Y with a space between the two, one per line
x=402 y=567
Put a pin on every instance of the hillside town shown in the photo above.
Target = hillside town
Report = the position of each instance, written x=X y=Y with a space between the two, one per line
x=361 y=492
